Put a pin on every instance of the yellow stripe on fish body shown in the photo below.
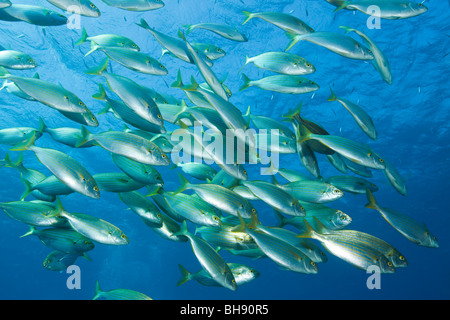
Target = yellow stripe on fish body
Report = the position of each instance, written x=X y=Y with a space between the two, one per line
x=83 y=7
x=284 y=21
x=17 y=60
x=210 y=260
x=108 y=40
x=335 y=42
x=118 y=294
x=131 y=93
x=140 y=172
x=221 y=29
x=116 y=182
x=96 y=229
x=52 y=95
x=282 y=83
x=64 y=240
x=133 y=60
x=143 y=207
x=276 y=197
x=34 y=214
x=36 y=15
x=282 y=62
x=135 y=5
x=64 y=167
x=131 y=146
x=412 y=230
x=220 y=197
x=360 y=255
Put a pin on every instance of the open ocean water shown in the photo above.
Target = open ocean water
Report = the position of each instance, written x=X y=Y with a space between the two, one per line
x=411 y=117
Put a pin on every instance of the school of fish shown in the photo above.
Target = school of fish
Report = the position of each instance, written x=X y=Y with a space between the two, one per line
x=212 y=208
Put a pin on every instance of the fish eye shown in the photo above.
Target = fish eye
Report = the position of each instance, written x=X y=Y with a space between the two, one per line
x=336 y=191
x=390 y=264
x=402 y=258
x=66 y=97
x=253 y=210
x=342 y=217
x=93 y=6
x=313 y=263
x=93 y=118
x=95 y=189
x=244 y=171
x=161 y=66
x=159 y=116
x=233 y=281
x=163 y=156
x=381 y=160
x=123 y=236
x=30 y=61
x=309 y=65
x=215 y=218
x=81 y=103
x=86 y=241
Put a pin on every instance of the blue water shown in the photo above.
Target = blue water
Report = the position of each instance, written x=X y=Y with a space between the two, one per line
x=411 y=115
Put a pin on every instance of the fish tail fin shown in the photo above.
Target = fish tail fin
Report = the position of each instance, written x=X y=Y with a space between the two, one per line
x=192 y=87
x=185 y=275
x=372 y=204
x=86 y=256
x=344 y=4
x=281 y=220
x=246 y=84
x=98 y=291
x=101 y=95
x=347 y=29
x=332 y=96
x=164 y=51
x=241 y=227
x=247 y=60
x=181 y=35
x=183 y=230
x=272 y=171
x=144 y=24
x=85 y=137
x=94 y=47
x=5 y=84
x=248 y=16
x=98 y=70
x=4 y=73
x=189 y=28
x=106 y=109
x=31 y=231
x=83 y=37
x=25 y=144
x=15 y=164
x=309 y=231
x=179 y=82
x=254 y=222
x=184 y=184
x=152 y=190
x=295 y=113
x=59 y=209
x=320 y=227
x=42 y=126
x=294 y=38
x=28 y=189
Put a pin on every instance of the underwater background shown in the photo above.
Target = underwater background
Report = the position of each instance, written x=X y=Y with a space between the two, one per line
x=411 y=115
